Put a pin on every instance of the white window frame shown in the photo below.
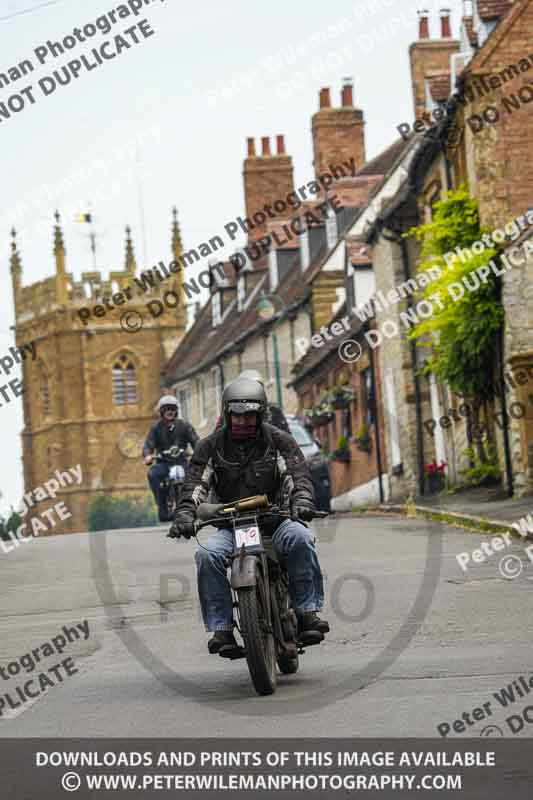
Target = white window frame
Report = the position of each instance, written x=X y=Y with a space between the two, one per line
x=305 y=255
x=273 y=268
x=241 y=292
x=202 y=401
x=217 y=389
x=184 y=402
x=332 y=232
x=216 y=308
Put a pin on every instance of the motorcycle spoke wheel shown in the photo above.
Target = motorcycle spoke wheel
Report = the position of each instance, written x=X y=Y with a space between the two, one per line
x=258 y=644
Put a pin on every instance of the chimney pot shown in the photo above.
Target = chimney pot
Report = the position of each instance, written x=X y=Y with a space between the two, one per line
x=280 y=144
x=423 y=24
x=251 y=146
x=325 y=100
x=347 y=95
x=265 y=146
x=446 y=31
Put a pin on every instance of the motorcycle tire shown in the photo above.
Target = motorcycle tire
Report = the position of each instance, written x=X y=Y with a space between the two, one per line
x=259 y=647
x=288 y=664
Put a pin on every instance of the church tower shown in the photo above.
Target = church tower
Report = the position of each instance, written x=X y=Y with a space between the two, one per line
x=91 y=391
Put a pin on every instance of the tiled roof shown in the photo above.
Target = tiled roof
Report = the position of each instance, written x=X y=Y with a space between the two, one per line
x=493 y=9
x=203 y=344
x=384 y=161
x=440 y=86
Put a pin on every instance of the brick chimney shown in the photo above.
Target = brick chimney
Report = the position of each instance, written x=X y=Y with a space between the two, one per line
x=445 y=27
x=338 y=133
x=268 y=178
x=429 y=57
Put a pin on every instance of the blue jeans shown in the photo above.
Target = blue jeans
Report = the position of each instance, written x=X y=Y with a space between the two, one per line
x=156 y=474
x=295 y=547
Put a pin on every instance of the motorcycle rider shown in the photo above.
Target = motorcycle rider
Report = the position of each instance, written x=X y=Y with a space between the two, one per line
x=247 y=456
x=274 y=415
x=169 y=431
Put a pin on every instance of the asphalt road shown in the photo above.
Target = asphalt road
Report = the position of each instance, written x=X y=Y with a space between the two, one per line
x=415 y=642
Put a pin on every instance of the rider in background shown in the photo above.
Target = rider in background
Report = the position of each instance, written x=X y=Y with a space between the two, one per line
x=169 y=431
x=246 y=457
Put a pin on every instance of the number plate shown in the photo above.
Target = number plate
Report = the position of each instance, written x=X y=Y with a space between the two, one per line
x=248 y=537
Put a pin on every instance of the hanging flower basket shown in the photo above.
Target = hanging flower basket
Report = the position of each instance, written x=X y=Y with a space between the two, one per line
x=342 y=451
x=363 y=440
x=342 y=455
x=322 y=419
x=321 y=414
x=365 y=445
x=341 y=396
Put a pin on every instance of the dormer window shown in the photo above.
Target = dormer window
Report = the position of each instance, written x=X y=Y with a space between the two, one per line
x=241 y=292
x=216 y=306
x=304 y=250
x=331 y=229
x=273 y=268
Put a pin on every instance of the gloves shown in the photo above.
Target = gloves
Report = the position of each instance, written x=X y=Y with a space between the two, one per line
x=302 y=509
x=183 y=525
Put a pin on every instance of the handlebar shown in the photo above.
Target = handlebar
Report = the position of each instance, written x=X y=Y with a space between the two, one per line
x=206 y=512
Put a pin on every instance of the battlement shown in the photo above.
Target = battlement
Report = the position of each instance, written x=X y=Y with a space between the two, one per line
x=63 y=292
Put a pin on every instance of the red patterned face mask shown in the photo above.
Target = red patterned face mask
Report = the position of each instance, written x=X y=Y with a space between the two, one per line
x=241 y=429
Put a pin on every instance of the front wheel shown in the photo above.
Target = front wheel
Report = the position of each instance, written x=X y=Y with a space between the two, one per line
x=258 y=640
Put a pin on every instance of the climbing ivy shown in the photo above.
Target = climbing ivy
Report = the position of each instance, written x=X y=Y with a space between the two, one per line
x=462 y=333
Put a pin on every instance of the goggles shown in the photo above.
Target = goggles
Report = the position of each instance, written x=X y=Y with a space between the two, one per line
x=244 y=407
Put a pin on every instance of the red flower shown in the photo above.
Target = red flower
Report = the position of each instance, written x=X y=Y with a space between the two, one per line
x=434 y=468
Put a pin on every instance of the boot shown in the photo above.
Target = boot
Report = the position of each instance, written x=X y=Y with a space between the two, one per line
x=311 y=628
x=225 y=644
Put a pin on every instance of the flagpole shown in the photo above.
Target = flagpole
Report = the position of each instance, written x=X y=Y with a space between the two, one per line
x=141 y=206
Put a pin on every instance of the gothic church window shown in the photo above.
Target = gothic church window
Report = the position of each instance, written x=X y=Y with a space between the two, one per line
x=124 y=382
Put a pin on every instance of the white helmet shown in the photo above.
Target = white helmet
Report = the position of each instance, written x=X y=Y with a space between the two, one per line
x=168 y=400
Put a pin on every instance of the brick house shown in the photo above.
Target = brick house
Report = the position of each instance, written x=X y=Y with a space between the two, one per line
x=302 y=277
x=483 y=140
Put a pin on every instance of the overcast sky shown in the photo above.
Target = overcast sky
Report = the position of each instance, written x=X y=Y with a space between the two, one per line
x=212 y=74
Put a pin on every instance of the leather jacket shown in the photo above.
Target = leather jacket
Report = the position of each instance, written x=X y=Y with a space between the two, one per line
x=162 y=436
x=270 y=464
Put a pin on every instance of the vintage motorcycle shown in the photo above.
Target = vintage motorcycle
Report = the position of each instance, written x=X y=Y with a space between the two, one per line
x=260 y=587
x=171 y=486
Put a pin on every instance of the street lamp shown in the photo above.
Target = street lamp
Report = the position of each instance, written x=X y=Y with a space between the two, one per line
x=267 y=311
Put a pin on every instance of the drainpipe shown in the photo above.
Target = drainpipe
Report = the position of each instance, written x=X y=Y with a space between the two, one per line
x=505 y=423
x=414 y=365
x=376 y=420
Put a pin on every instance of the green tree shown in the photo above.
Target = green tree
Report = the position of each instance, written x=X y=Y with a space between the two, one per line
x=462 y=334
x=109 y=513
x=10 y=525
